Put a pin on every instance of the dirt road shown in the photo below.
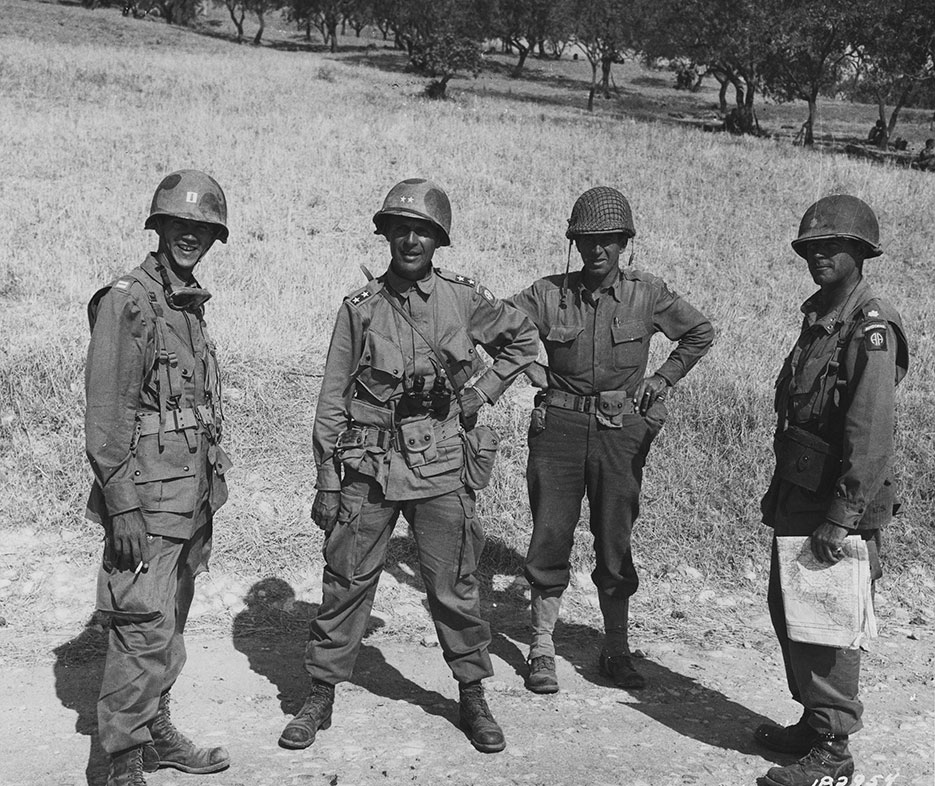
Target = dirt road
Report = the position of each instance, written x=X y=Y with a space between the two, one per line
x=396 y=722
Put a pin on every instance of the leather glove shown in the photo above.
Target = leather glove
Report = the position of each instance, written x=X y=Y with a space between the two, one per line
x=471 y=401
x=650 y=390
x=325 y=509
x=129 y=548
x=826 y=543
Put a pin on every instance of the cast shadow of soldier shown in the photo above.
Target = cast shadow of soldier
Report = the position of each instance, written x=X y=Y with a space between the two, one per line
x=79 y=667
x=675 y=700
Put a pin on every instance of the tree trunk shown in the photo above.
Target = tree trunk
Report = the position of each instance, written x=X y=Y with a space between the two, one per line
x=308 y=30
x=333 y=35
x=259 y=33
x=722 y=92
x=521 y=61
x=593 y=86
x=809 y=139
x=606 y=63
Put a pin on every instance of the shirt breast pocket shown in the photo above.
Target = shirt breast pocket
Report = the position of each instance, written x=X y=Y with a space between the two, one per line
x=631 y=344
x=381 y=366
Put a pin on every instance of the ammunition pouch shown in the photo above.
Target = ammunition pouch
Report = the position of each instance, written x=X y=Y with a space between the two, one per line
x=612 y=405
x=354 y=443
x=417 y=442
x=806 y=460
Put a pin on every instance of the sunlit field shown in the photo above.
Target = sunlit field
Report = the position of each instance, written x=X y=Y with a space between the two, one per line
x=305 y=148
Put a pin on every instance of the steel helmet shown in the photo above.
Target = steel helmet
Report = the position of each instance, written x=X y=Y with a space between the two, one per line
x=840 y=215
x=598 y=211
x=417 y=198
x=191 y=195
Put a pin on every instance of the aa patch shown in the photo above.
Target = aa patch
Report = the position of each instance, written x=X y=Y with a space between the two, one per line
x=875 y=338
x=486 y=294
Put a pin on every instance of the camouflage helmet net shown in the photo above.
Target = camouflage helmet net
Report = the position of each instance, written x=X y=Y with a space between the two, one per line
x=840 y=215
x=193 y=196
x=598 y=211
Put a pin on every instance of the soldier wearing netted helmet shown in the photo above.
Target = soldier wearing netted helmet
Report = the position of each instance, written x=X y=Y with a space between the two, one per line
x=595 y=418
x=393 y=419
x=833 y=481
x=153 y=430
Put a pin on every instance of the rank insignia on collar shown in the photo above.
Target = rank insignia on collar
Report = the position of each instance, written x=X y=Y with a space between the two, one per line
x=361 y=296
x=873 y=313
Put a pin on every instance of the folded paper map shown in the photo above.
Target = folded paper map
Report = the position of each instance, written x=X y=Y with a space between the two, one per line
x=826 y=604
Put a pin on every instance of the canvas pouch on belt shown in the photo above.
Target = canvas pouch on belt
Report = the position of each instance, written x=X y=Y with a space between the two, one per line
x=612 y=405
x=806 y=460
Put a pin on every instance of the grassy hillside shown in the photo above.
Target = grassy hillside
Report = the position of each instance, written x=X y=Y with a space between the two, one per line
x=95 y=109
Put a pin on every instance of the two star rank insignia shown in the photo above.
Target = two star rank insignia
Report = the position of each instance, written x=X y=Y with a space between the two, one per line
x=360 y=297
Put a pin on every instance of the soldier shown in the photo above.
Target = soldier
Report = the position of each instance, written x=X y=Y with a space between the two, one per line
x=594 y=421
x=836 y=388
x=153 y=427
x=387 y=440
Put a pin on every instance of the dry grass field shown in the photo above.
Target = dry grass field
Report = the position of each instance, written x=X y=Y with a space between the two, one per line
x=96 y=108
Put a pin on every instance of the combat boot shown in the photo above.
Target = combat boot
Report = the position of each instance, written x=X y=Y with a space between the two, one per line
x=476 y=720
x=542 y=677
x=126 y=768
x=620 y=670
x=174 y=749
x=829 y=760
x=797 y=738
x=315 y=714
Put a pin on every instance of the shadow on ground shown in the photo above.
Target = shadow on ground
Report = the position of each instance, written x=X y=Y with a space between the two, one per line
x=79 y=667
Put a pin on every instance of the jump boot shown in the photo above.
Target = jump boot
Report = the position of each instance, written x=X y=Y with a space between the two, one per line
x=797 y=739
x=477 y=721
x=616 y=661
x=828 y=758
x=126 y=768
x=541 y=677
x=174 y=749
x=315 y=714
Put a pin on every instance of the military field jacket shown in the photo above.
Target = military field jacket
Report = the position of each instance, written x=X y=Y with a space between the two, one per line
x=145 y=362
x=374 y=357
x=839 y=383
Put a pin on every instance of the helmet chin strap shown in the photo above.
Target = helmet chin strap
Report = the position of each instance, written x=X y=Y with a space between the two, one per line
x=563 y=290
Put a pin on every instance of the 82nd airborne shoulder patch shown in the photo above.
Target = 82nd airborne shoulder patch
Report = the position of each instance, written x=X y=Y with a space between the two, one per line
x=875 y=337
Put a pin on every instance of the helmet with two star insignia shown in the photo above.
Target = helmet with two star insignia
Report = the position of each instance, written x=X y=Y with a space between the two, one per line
x=840 y=215
x=417 y=198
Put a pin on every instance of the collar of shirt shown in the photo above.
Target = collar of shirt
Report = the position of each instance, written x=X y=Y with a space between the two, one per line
x=402 y=286
x=812 y=307
x=576 y=284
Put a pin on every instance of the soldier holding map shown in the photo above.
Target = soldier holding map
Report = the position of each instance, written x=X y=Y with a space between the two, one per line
x=833 y=477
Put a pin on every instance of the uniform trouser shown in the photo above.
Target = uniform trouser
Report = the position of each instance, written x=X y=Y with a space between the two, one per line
x=449 y=541
x=575 y=456
x=824 y=680
x=146 y=646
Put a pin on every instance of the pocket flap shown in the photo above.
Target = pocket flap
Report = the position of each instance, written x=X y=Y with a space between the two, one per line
x=173 y=461
x=382 y=354
x=627 y=331
x=563 y=334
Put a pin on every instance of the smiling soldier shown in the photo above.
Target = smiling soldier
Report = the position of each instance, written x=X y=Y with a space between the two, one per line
x=152 y=428
x=595 y=418
x=389 y=439
x=833 y=478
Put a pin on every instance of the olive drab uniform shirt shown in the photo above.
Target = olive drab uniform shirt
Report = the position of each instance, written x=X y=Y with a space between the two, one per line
x=602 y=344
x=373 y=359
x=839 y=384
x=153 y=418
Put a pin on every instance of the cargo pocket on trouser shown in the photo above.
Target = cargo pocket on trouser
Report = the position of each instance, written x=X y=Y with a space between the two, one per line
x=341 y=544
x=132 y=596
x=472 y=536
